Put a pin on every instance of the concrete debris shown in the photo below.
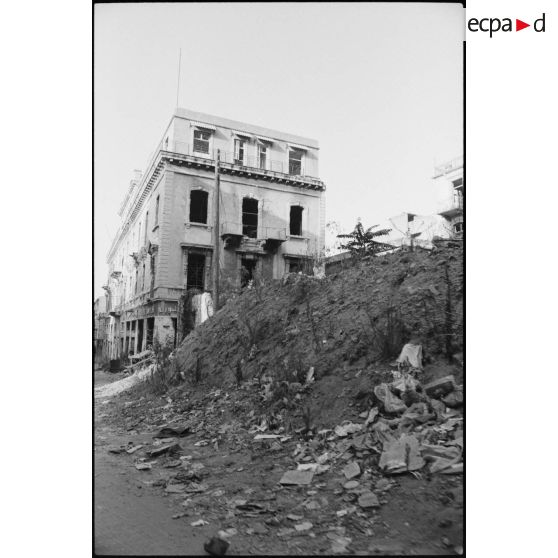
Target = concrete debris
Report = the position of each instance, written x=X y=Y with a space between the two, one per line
x=171 y=448
x=351 y=470
x=390 y=402
x=368 y=500
x=297 y=477
x=401 y=455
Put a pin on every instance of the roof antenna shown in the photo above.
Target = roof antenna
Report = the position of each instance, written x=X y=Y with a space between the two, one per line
x=178 y=83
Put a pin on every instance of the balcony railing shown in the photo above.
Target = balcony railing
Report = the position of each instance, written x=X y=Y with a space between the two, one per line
x=292 y=168
x=452 y=165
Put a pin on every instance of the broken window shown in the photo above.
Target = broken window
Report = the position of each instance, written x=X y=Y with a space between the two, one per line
x=239 y=151
x=295 y=227
x=201 y=141
x=195 y=276
x=198 y=206
x=250 y=217
x=295 y=161
x=247 y=269
x=262 y=156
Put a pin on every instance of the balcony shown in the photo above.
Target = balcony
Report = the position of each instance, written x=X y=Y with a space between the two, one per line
x=453 y=208
x=254 y=167
x=270 y=237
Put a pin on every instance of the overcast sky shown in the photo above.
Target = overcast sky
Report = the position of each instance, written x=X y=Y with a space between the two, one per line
x=378 y=85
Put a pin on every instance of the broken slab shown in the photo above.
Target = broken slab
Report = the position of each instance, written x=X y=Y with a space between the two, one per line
x=401 y=455
x=171 y=448
x=297 y=477
x=351 y=470
x=368 y=500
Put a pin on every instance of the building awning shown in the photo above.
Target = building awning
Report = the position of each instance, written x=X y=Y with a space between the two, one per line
x=297 y=146
x=265 y=139
x=203 y=126
x=242 y=134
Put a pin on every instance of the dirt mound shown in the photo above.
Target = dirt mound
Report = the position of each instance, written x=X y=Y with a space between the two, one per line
x=360 y=316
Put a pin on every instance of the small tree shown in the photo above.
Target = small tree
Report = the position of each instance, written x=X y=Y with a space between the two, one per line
x=363 y=242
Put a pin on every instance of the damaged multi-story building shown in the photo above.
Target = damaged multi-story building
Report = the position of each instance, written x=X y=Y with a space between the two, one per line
x=450 y=186
x=270 y=221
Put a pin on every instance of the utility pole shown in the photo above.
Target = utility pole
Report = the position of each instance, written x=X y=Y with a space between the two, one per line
x=216 y=231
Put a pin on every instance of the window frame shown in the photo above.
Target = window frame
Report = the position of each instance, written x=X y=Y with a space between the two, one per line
x=209 y=142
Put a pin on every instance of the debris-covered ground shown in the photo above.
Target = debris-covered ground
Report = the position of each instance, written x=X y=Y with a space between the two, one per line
x=290 y=432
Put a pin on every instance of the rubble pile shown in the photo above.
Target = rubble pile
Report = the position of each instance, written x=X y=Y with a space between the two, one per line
x=361 y=315
x=329 y=483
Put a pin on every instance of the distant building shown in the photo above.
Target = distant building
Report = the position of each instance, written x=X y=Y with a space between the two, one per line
x=272 y=219
x=101 y=324
x=418 y=230
x=450 y=186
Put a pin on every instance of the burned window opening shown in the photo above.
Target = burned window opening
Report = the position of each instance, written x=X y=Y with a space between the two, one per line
x=295 y=227
x=198 y=206
x=250 y=217
x=195 y=277
x=247 y=269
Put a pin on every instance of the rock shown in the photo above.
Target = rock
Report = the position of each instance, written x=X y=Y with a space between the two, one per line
x=304 y=526
x=175 y=488
x=368 y=500
x=216 y=546
x=171 y=448
x=176 y=430
x=297 y=477
x=351 y=470
x=383 y=484
x=350 y=485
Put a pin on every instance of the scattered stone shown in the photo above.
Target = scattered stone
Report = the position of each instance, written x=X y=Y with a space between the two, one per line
x=143 y=466
x=134 y=449
x=294 y=517
x=304 y=526
x=440 y=387
x=216 y=546
x=199 y=523
x=351 y=470
x=171 y=448
x=116 y=449
x=297 y=477
x=368 y=500
x=226 y=533
x=351 y=484
x=446 y=542
x=178 y=431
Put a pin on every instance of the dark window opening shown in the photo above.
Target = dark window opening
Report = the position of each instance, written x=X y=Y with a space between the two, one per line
x=140 y=335
x=295 y=161
x=295 y=266
x=198 y=206
x=296 y=220
x=175 y=328
x=248 y=267
x=458 y=183
x=250 y=217
x=201 y=141
x=458 y=228
x=150 y=328
x=146 y=226
x=195 y=277
x=157 y=210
